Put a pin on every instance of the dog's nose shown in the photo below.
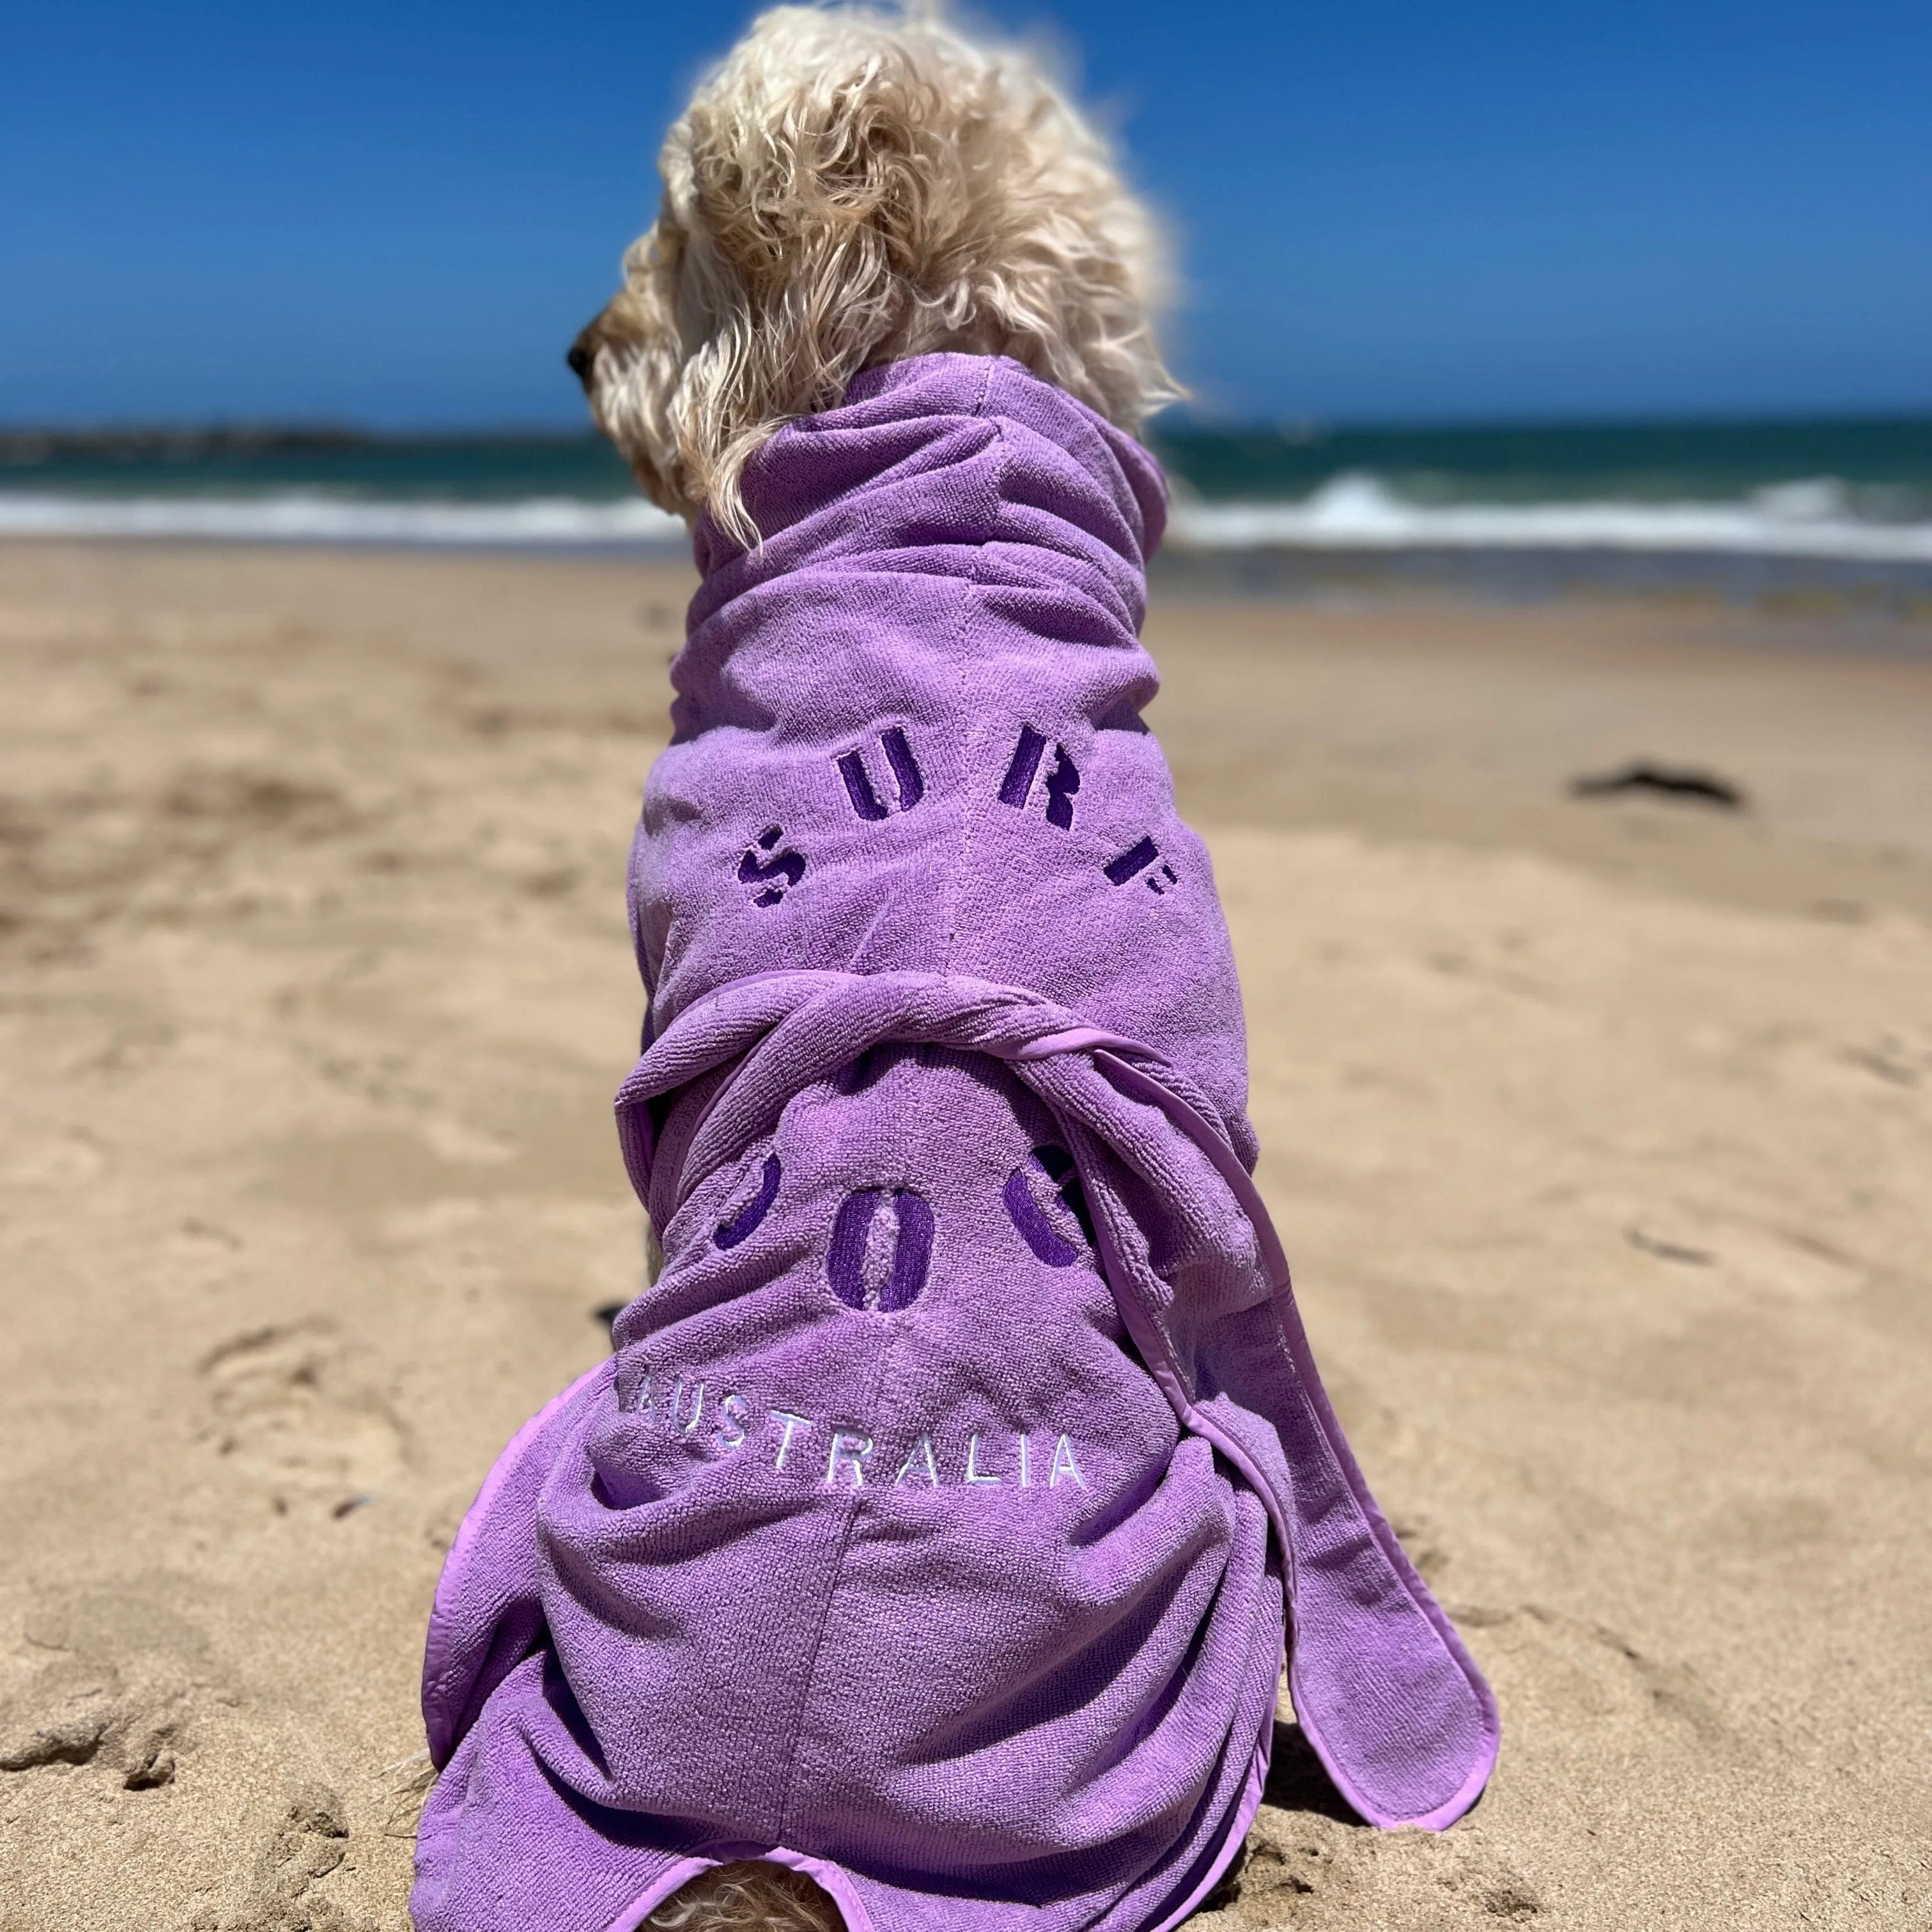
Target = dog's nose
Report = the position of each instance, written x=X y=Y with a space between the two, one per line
x=582 y=358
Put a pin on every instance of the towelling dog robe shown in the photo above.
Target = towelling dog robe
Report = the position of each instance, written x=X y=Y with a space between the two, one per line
x=936 y=1525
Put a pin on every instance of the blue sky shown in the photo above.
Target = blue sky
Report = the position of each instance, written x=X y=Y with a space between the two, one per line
x=397 y=213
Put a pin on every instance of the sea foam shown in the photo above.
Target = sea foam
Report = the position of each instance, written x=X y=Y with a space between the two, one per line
x=306 y=517
x=1357 y=512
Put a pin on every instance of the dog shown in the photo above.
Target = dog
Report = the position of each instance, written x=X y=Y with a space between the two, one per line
x=852 y=187
x=929 y=1550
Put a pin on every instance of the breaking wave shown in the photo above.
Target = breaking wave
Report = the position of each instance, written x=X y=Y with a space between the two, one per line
x=1355 y=512
x=302 y=517
x=1360 y=512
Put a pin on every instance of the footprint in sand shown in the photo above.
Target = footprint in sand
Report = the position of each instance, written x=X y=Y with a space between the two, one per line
x=301 y=1853
x=82 y=1711
x=290 y=1410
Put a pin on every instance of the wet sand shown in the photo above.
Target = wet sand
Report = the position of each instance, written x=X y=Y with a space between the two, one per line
x=1600 y=1131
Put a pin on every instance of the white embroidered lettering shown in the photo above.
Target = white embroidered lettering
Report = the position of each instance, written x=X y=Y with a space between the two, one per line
x=792 y=1423
x=849 y=1451
x=974 y=1474
x=640 y=1398
x=676 y=1420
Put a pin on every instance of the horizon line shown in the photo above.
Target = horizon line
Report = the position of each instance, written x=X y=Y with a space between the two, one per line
x=265 y=433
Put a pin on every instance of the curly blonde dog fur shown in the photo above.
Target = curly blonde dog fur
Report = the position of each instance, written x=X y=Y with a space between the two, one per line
x=851 y=186
x=751 y=1896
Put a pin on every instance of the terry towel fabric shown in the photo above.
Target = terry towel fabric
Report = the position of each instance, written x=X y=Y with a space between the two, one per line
x=938 y=1524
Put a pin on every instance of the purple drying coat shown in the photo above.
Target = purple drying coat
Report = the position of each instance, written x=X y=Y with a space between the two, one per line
x=936 y=1524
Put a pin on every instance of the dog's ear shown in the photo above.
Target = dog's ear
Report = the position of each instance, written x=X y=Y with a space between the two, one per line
x=810 y=226
x=834 y=196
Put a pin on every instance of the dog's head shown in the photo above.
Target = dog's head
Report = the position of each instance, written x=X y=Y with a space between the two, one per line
x=852 y=187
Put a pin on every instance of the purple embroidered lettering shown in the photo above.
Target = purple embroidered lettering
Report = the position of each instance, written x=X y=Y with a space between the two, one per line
x=732 y=1415
x=774 y=874
x=859 y=787
x=1035 y=1230
x=792 y=1423
x=845 y=1259
x=1137 y=858
x=912 y=1254
x=1018 y=780
x=1063 y=1464
x=974 y=1474
x=921 y=1458
x=857 y=1263
x=745 y=1224
x=849 y=1451
x=1062 y=782
x=906 y=775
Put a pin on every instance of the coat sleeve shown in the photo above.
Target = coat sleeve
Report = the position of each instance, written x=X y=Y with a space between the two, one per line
x=1383 y=1687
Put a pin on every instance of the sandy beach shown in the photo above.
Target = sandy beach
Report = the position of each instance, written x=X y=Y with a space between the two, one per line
x=1599 y=1130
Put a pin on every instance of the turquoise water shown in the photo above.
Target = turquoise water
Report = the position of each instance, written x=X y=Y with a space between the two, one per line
x=1885 y=466
x=466 y=470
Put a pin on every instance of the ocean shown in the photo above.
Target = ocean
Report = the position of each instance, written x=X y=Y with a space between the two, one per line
x=1849 y=500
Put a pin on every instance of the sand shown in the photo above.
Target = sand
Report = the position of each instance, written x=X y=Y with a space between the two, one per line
x=1601 y=1132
